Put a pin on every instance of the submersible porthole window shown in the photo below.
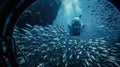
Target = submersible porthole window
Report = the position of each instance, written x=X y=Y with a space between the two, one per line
x=43 y=34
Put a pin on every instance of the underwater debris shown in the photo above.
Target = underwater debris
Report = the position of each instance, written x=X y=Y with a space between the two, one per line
x=45 y=48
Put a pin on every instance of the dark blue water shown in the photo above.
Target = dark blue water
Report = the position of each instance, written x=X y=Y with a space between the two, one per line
x=49 y=44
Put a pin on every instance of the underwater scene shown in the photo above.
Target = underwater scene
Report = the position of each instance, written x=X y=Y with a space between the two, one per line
x=68 y=33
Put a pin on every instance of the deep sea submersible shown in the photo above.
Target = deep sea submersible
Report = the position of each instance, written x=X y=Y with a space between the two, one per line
x=60 y=33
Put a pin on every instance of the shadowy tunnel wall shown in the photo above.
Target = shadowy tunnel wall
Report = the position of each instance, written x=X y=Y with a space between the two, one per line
x=42 y=12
